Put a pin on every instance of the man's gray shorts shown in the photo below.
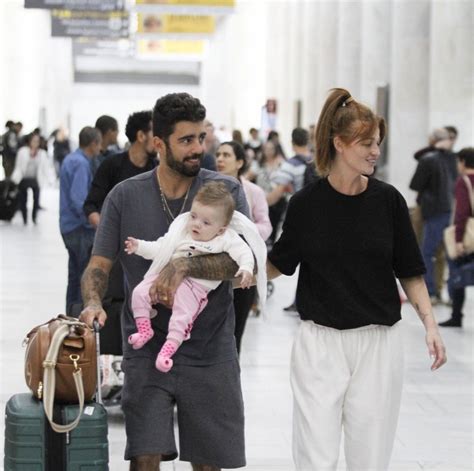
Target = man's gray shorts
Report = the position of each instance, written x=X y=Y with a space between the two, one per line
x=210 y=412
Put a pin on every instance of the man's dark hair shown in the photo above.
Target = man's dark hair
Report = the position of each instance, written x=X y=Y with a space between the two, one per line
x=106 y=123
x=88 y=135
x=173 y=108
x=300 y=137
x=139 y=121
x=9 y=123
x=466 y=156
x=452 y=131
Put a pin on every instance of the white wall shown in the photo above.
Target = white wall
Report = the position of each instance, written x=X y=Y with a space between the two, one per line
x=233 y=72
x=36 y=69
x=89 y=101
x=286 y=49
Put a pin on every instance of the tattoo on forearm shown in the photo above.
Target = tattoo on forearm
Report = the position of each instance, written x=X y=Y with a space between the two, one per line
x=93 y=285
x=212 y=267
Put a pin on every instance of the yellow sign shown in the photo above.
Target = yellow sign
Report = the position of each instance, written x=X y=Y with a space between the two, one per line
x=197 y=24
x=203 y=3
x=148 y=48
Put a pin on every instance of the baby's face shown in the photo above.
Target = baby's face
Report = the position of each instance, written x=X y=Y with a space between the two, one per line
x=205 y=222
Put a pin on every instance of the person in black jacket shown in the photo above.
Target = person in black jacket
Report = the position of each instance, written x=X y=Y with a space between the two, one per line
x=437 y=135
x=139 y=158
x=434 y=181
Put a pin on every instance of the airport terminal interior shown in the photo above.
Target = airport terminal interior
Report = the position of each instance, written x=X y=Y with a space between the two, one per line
x=262 y=64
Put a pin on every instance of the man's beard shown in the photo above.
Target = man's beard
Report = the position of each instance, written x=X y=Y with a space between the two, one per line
x=181 y=167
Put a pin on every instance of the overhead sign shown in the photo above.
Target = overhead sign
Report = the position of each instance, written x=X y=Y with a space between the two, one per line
x=203 y=3
x=149 y=49
x=91 y=5
x=168 y=23
x=94 y=24
x=198 y=7
x=103 y=48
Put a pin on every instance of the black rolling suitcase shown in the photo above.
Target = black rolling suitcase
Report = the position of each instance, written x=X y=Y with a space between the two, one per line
x=8 y=200
x=32 y=445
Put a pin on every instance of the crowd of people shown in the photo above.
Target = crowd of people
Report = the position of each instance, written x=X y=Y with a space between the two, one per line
x=443 y=197
x=321 y=209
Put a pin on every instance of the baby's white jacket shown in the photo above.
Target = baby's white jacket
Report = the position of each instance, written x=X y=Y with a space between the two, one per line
x=177 y=242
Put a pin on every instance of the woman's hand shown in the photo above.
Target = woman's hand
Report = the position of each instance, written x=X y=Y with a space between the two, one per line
x=436 y=348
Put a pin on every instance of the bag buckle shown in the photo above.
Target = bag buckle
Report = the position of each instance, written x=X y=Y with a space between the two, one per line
x=49 y=364
x=75 y=359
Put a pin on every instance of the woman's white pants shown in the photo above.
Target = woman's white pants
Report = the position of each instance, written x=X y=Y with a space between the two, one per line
x=347 y=380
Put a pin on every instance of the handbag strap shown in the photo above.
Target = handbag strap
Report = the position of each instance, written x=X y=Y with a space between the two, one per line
x=467 y=181
x=49 y=380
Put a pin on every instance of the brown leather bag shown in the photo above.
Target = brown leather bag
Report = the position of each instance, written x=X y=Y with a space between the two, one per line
x=66 y=348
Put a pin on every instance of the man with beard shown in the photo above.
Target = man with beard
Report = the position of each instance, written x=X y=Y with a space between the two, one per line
x=139 y=158
x=205 y=380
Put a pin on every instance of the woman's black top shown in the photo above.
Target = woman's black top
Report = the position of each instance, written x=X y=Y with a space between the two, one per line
x=350 y=249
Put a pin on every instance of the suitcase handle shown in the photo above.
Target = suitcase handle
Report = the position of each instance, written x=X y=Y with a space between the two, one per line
x=96 y=326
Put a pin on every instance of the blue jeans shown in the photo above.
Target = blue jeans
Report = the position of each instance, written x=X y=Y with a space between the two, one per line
x=432 y=238
x=79 y=246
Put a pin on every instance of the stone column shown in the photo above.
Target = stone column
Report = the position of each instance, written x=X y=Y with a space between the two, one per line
x=349 y=46
x=327 y=27
x=409 y=78
x=309 y=62
x=451 y=91
x=375 y=48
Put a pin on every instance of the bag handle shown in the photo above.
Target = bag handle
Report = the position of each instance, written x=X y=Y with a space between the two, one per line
x=49 y=379
x=467 y=181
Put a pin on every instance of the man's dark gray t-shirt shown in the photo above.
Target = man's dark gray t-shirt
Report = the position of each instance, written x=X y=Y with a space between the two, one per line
x=134 y=208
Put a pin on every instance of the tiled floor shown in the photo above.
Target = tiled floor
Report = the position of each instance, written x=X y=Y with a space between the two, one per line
x=436 y=423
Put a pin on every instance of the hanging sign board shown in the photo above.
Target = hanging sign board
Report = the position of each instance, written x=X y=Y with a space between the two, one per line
x=168 y=23
x=149 y=49
x=90 y=5
x=122 y=48
x=192 y=3
x=94 y=24
x=198 y=7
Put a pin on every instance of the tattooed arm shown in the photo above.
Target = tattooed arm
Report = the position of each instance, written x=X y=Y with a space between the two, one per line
x=93 y=286
x=417 y=294
x=207 y=267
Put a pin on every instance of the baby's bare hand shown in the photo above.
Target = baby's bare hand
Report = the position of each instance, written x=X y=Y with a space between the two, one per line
x=131 y=245
x=247 y=278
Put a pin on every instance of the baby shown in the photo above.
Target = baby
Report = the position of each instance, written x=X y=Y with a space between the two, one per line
x=204 y=230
